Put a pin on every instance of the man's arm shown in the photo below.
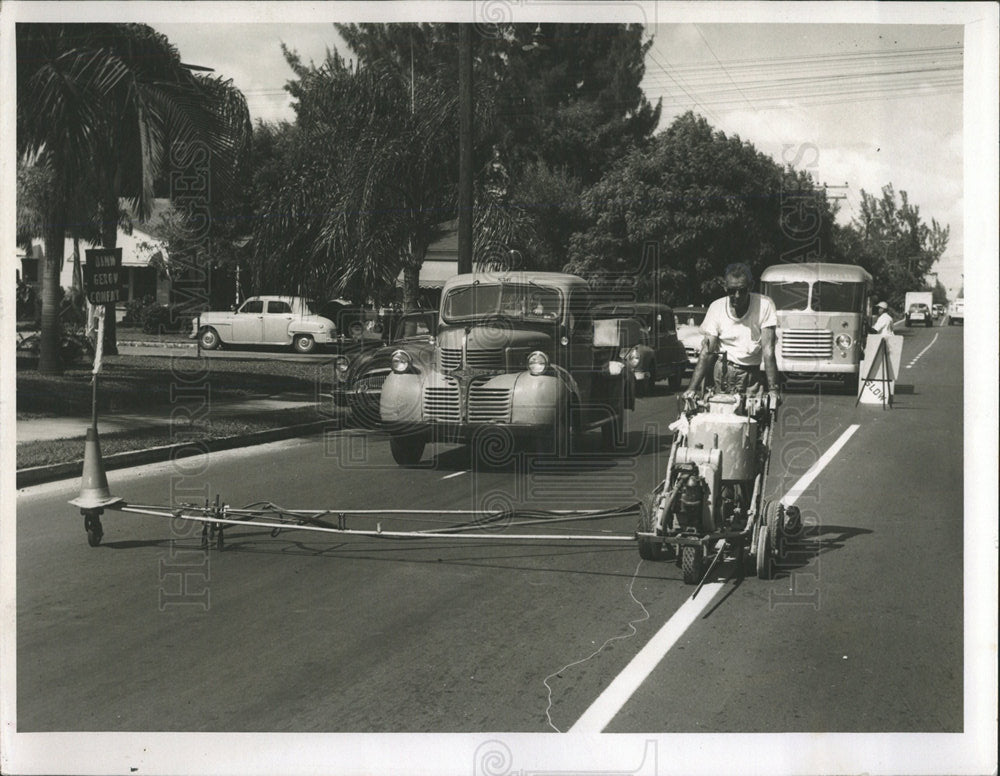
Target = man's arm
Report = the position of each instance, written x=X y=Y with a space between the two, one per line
x=770 y=361
x=709 y=348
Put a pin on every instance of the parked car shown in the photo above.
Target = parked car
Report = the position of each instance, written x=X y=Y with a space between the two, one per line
x=287 y=321
x=518 y=358
x=919 y=313
x=956 y=313
x=688 y=320
x=358 y=380
x=659 y=354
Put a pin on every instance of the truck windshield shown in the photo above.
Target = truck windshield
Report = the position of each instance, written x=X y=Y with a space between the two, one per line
x=511 y=300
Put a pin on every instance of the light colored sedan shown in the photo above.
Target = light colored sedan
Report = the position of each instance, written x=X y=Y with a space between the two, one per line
x=287 y=321
x=689 y=330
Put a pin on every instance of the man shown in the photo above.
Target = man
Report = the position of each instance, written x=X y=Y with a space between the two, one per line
x=883 y=324
x=742 y=326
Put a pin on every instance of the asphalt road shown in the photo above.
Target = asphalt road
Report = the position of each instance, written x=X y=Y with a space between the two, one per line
x=862 y=631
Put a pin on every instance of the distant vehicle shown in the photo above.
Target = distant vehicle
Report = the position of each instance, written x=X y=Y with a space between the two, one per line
x=688 y=321
x=911 y=298
x=659 y=353
x=358 y=381
x=266 y=320
x=517 y=357
x=918 y=312
x=937 y=310
x=956 y=313
x=823 y=311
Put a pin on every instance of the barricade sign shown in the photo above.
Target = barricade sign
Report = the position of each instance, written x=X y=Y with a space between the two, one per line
x=879 y=369
x=102 y=275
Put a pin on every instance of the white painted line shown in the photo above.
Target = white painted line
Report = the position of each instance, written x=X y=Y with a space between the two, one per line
x=806 y=479
x=610 y=702
x=916 y=358
x=623 y=686
x=453 y=474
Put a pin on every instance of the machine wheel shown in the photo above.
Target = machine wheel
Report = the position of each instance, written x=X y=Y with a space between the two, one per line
x=774 y=513
x=649 y=550
x=407 y=449
x=303 y=343
x=692 y=563
x=209 y=338
x=765 y=564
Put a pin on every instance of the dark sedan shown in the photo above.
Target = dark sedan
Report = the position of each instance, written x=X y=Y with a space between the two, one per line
x=659 y=355
x=358 y=380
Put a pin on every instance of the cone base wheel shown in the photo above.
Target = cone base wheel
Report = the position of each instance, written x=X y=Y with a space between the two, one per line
x=692 y=563
x=94 y=537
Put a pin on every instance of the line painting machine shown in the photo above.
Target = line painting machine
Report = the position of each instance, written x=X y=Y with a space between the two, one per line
x=710 y=500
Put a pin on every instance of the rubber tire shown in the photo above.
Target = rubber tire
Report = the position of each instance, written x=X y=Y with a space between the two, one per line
x=765 y=564
x=649 y=550
x=94 y=536
x=209 y=338
x=406 y=449
x=929 y=323
x=675 y=380
x=775 y=514
x=851 y=384
x=692 y=563
x=303 y=343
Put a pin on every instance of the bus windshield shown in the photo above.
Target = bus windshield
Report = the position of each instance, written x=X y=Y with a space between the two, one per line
x=832 y=297
x=793 y=295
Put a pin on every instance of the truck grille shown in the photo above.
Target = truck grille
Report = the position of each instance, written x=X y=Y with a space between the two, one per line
x=441 y=402
x=451 y=358
x=488 y=405
x=371 y=382
x=806 y=343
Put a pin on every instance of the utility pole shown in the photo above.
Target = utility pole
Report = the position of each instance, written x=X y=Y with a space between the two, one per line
x=464 y=148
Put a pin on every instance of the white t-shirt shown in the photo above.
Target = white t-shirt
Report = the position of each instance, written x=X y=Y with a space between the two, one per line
x=883 y=324
x=740 y=337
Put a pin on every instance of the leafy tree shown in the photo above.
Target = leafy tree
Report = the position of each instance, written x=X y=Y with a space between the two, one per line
x=891 y=240
x=702 y=200
x=106 y=102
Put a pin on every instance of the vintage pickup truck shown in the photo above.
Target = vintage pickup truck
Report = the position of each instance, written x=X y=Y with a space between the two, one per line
x=266 y=320
x=519 y=356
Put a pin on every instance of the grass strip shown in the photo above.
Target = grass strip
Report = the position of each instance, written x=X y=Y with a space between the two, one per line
x=55 y=451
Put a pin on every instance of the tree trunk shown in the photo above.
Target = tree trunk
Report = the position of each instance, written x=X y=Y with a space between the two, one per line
x=411 y=276
x=49 y=356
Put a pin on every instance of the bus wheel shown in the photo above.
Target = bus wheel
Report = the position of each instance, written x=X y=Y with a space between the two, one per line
x=851 y=384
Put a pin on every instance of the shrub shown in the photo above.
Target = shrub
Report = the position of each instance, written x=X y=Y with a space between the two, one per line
x=161 y=319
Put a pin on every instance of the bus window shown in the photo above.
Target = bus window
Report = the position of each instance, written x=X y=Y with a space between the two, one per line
x=788 y=296
x=833 y=297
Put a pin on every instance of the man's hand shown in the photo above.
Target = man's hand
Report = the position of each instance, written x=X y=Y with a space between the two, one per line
x=775 y=399
x=689 y=394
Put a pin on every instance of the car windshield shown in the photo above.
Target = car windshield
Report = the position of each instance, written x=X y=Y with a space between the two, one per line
x=309 y=306
x=412 y=326
x=833 y=297
x=793 y=295
x=689 y=317
x=512 y=300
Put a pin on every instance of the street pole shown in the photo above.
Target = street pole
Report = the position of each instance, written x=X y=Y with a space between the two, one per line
x=464 y=148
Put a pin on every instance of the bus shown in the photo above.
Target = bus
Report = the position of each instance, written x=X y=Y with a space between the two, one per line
x=823 y=314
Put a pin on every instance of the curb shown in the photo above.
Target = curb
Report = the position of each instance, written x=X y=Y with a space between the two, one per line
x=161 y=344
x=36 y=475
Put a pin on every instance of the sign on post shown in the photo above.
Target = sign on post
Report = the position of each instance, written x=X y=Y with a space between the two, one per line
x=102 y=275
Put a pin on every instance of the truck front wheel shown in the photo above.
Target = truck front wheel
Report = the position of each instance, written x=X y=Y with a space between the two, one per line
x=407 y=449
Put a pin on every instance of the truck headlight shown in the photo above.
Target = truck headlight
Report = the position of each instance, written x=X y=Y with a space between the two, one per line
x=844 y=341
x=615 y=368
x=341 y=364
x=633 y=358
x=401 y=361
x=538 y=362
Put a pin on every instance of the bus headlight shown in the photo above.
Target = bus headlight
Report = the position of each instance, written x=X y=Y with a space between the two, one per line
x=538 y=362
x=844 y=341
x=401 y=361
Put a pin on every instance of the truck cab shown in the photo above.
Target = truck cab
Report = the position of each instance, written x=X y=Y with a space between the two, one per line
x=518 y=358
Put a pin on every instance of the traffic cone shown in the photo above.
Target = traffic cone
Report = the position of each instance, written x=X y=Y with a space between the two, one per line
x=94 y=491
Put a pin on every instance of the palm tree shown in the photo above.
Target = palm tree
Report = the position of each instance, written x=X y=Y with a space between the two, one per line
x=106 y=101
